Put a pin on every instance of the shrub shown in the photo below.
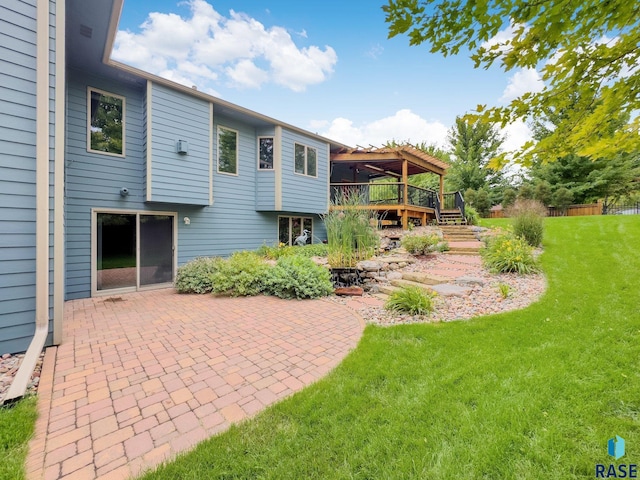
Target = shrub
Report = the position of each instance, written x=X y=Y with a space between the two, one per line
x=298 y=277
x=420 y=244
x=195 y=276
x=274 y=253
x=241 y=274
x=528 y=220
x=506 y=253
x=471 y=215
x=413 y=300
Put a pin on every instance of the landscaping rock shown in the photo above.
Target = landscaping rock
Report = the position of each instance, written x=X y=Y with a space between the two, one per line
x=349 y=291
x=469 y=280
x=369 y=266
x=394 y=276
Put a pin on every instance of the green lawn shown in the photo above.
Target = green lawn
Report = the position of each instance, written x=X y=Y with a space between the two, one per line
x=526 y=395
x=16 y=427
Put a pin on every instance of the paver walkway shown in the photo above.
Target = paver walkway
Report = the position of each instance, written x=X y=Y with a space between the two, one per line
x=142 y=376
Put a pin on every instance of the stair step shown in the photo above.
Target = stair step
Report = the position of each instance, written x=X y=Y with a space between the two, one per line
x=462 y=252
x=424 y=278
x=409 y=283
x=387 y=289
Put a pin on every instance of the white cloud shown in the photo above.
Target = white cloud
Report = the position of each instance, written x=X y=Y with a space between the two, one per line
x=246 y=74
x=522 y=81
x=404 y=125
x=375 y=51
x=516 y=135
x=208 y=45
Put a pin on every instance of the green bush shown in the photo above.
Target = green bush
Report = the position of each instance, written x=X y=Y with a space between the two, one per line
x=471 y=215
x=413 y=300
x=274 y=253
x=420 y=244
x=298 y=277
x=506 y=253
x=241 y=274
x=195 y=276
x=528 y=220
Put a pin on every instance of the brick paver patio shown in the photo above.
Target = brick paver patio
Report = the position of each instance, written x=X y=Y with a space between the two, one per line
x=143 y=376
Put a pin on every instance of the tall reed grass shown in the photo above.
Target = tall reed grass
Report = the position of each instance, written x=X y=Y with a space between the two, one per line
x=350 y=234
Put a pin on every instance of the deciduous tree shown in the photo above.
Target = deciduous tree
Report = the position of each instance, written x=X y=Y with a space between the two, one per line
x=589 y=48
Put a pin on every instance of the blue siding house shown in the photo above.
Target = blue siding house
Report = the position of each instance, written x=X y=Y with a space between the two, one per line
x=110 y=177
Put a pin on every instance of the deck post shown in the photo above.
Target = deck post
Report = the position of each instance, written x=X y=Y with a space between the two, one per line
x=405 y=200
x=441 y=191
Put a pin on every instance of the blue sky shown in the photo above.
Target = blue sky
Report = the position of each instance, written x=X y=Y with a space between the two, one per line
x=324 y=66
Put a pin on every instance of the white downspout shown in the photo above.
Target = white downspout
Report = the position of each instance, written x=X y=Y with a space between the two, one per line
x=23 y=375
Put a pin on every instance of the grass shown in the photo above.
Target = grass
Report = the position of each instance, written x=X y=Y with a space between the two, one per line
x=16 y=427
x=523 y=395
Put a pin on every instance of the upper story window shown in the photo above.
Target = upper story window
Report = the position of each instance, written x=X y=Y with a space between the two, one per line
x=105 y=132
x=305 y=162
x=265 y=153
x=227 y=150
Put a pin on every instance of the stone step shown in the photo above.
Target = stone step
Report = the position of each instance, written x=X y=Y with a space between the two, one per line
x=408 y=283
x=464 y=249
x=450 y=252
x=424 y=278
x=387 y=289
x=458 y=237
x=381 y=296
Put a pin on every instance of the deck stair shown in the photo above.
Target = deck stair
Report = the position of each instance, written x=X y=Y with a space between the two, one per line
x=461 y=239
x=451 y=217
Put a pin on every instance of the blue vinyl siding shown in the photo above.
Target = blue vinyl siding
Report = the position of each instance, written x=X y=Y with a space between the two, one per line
x=17 y=174
x=94 y=181
x=301 y=193
x=179 y=178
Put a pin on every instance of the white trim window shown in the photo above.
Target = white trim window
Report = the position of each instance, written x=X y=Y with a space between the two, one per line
x=290 y=228
x=105 y=123
x=265 y=153
x=227 y=151
x=305 y=160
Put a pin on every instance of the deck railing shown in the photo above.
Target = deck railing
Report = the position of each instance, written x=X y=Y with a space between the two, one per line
x=454 y=201
x=385 y=194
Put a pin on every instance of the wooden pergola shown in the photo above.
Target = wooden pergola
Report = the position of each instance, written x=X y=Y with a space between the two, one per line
x=360 y=167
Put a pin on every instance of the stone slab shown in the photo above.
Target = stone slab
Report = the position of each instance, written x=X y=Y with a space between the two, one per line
x=449 y=290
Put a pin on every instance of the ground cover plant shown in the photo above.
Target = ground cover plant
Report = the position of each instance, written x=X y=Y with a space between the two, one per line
x=424 y=244
x=248 y=273
x=16 y=427
x=412 y=300
x=312 y=250
x=528 y=394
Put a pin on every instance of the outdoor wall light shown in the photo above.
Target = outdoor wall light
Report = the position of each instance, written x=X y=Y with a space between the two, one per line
x=182 y=147
x=187 y=220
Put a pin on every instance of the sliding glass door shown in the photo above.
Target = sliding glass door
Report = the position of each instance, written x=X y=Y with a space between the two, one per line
x=133 y=250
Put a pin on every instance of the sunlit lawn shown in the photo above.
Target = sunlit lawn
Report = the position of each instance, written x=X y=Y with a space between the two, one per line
x=16 y=427
x=526 y=395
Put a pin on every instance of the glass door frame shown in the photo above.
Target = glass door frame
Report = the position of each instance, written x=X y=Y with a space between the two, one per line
x=94 y=250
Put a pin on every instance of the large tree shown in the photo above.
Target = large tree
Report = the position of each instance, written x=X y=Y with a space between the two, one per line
x=473 y=144
x=590 y=48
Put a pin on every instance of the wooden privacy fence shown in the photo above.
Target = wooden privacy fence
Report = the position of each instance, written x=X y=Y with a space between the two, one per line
x=576 y=210
x=571 y=211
